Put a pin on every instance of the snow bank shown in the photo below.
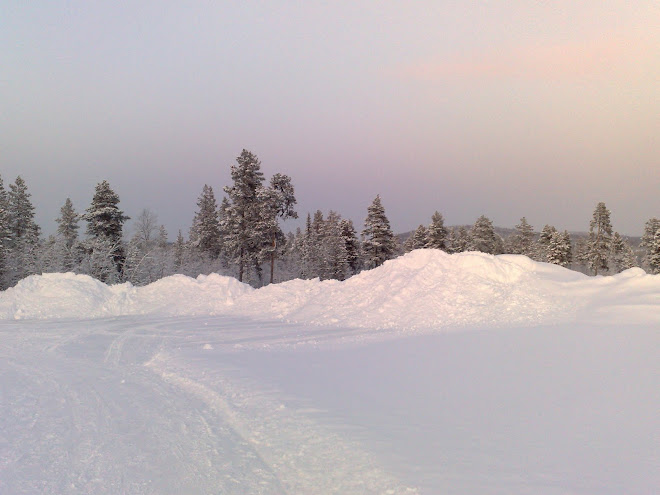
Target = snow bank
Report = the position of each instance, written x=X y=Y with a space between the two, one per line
x=425 y=289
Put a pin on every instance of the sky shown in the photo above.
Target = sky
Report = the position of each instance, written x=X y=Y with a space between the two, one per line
x=501 y=108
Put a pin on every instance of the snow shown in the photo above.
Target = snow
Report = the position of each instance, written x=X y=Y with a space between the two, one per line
x=433 y=373
x=425 y=290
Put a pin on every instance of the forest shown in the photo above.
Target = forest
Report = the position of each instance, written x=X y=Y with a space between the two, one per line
x=242 y=236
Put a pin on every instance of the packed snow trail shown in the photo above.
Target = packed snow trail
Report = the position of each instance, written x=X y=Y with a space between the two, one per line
x=105 y=407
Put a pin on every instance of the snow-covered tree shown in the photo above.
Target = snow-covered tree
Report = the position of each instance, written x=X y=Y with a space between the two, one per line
x=651 y=227
x=276 y=202
x=559 y=249
x=458 y=240
x=600 y=238
x=105 y=222
x=543 y=243
x=522 y=241
x=67 y=238
x=622 y=255
x=436 y=233
x=379 y=244
x=5 y=234
x=482 y=236
x=23 y=233
x=205 y=229
x=417 y=240
x=243 y=213
x=654 y=253
x=147 y=256
x=351 y=244
x=334 y=258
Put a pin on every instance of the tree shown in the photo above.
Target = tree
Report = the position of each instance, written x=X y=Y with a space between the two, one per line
x=67 y=235
x=622 y=255
x=458 y=240
x=5 y=234
x=417 y=240
x=334 y=259
x=651 y=227
x=105 y=223
x=522 y=242
x=483 y=237
x=654 y=253
x=243 y=212
x=23 y=232
x=547 y=233
x=559 y=249
x=436 y=234
x=600 y=238
x=277 y=202
x=205 y=229
x=379 y=244
x=351 y=245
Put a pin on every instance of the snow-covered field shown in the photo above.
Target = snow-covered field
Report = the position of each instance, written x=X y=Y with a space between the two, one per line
x=432 y=374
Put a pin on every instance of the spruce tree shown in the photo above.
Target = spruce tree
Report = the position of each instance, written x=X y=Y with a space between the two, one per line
x=482 y=236
x=351 y=245
x=436 y=233
x=205 y=229
x=419 y=238
x=654 y=253
x=105 y=222
x=522 y=242
x=5 y=234
x=651 y=227
x=334 y=258
x=600 y=238
x=559 y=249
x=23 y=232
x=379 y=244
x=67 y=236
x=622 y=255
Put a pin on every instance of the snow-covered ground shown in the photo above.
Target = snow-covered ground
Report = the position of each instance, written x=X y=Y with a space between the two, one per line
x=431 y=374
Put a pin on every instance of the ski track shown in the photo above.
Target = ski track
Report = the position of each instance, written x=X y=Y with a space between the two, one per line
x=107 y=407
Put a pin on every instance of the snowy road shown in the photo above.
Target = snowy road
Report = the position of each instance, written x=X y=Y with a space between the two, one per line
x=200 y=405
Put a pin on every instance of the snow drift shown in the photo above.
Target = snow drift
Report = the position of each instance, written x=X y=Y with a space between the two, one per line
x=425 y=289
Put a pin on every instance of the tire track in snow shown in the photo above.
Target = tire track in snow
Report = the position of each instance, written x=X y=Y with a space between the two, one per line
x=302 y=457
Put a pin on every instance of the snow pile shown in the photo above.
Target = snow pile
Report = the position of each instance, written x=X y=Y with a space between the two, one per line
x=425 y=289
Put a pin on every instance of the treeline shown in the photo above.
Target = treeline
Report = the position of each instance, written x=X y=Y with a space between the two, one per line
x=242 y=237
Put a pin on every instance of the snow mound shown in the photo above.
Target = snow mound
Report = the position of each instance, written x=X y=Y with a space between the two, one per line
x=427 y=289
x=423 y=290
x=66 y=295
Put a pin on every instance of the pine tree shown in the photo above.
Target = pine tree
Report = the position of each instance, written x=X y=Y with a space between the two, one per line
x=67 y=237
x=622 y=255
x=23 y=233
x=436 y=234
x=243 y=212
x=651 y=227
x=559 y=249
x=379 y=244
x=483 y=237
x=179 y=251
x=654 y=253
x=543 y=243
x=205 y=229
x=419 y=238
x=5 y=234
x=458 y=240
x=522 y=242
x=105 y=223
x=277 y=202
x=334 y=258
x=351 y=245
x=600 y=238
